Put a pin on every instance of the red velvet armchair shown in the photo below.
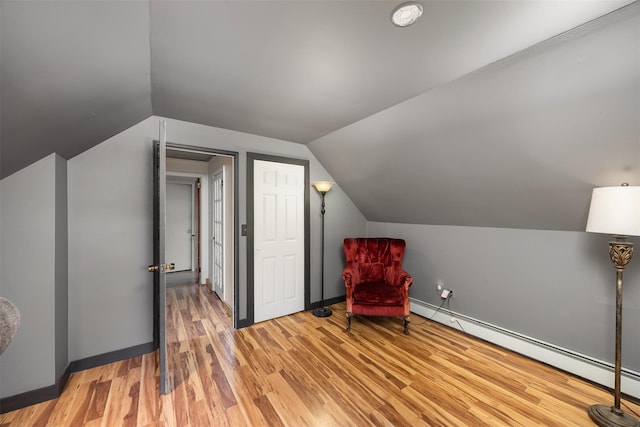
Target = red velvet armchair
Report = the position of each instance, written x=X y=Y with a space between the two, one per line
x=376 y=283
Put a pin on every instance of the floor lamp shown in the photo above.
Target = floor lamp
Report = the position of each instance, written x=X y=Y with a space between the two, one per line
x=322 y=187
x=615 y=210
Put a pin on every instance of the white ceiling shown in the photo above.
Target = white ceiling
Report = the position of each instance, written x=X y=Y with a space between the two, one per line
x=427 y=124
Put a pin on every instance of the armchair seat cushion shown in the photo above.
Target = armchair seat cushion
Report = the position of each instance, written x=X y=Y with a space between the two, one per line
x=377 y=293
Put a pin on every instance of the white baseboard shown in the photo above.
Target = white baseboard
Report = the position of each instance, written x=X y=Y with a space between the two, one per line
x=583 y=366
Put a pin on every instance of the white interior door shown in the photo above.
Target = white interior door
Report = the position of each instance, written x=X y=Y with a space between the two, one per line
x=278 y=239
x=179 y=240
x=217 y=237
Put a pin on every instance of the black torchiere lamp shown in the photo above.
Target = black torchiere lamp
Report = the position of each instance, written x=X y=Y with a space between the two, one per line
x=616 y=210
x=323 y=187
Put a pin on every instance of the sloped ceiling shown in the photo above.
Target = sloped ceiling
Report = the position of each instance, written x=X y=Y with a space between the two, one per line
x=72 y=74
x=520 y=143
x=467 y=118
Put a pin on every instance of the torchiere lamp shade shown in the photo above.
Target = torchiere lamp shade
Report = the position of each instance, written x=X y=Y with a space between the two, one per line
x=615 y=210
x=323 y=186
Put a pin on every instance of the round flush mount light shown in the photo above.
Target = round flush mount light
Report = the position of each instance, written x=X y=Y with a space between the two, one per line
x=406 y=14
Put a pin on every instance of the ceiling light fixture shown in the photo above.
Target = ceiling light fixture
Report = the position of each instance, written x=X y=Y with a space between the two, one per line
x=406 y=14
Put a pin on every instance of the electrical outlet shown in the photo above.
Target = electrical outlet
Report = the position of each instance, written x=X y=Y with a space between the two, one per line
x=445 y=294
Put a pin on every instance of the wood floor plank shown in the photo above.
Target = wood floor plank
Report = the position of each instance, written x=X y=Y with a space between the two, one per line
x=98 y=400
x=300 y=370
x=287 y=404
x=150 y=405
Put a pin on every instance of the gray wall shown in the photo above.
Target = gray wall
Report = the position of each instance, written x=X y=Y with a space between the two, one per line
x=339 y=223
x=33 y=274
x=110 y=244
x=110 y=230
x=555 y=286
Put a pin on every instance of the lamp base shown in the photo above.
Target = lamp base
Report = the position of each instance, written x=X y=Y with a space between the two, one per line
x=608 y=416
x=322 y=312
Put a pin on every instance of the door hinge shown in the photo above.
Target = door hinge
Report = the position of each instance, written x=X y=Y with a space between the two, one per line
x=199 y=185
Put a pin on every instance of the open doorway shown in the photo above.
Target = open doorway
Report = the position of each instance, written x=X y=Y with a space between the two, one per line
x=183 y=232
x=187 y=161
x=200 y=220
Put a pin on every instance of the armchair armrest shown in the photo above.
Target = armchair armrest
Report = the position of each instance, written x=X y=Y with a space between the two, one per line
x=396 y=276
x=350 y=277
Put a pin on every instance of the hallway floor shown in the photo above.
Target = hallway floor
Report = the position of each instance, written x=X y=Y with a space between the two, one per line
x=181 y=278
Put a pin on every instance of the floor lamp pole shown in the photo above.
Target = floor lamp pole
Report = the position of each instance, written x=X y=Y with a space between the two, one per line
x=620 y=252
x=322 y=311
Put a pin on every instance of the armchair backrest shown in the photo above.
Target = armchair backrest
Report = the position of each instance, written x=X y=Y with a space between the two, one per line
x=369 y=258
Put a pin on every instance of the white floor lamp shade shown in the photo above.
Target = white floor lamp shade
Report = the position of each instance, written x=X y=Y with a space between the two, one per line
x=615 y=210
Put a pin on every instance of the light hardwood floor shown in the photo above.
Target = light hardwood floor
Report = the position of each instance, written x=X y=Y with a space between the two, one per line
x=300 y=370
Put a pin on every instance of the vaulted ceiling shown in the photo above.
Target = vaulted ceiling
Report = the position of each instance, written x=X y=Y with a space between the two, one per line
x=484 y=113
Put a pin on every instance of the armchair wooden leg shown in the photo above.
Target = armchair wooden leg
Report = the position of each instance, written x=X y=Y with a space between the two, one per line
x=349 y=316
x=406 y=325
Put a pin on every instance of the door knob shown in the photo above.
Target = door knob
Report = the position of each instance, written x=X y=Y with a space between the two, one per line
x=165 y=267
